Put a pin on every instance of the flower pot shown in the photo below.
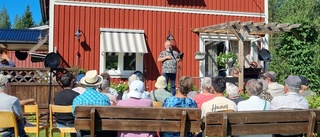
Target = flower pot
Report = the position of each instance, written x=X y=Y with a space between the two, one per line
x=199 y=57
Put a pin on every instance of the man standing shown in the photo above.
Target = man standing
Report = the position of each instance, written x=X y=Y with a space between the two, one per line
x=219 y=102
x=169 y=59
x=65 y=98
x=274 y=88
x=291 y=99
x=11 y=103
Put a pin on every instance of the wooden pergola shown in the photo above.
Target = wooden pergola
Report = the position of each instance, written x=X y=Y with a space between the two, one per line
x=241 y=30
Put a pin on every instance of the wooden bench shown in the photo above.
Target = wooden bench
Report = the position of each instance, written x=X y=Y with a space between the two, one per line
x=144 y=119
x=261 y=122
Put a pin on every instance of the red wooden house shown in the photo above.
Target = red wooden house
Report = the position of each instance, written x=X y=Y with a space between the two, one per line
x=120 y=36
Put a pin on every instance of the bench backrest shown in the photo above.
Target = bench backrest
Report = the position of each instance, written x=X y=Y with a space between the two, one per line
x=260 y=122
x=138 y=119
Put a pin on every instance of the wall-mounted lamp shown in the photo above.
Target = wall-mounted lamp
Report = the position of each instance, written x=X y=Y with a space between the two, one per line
x=77 y=34
x=170 y=37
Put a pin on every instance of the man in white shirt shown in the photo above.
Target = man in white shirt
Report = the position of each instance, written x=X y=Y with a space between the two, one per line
x=291 y=99
x=219 y=102
x=254 y=89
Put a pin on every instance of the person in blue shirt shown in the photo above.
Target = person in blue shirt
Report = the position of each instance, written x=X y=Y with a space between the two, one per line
x=91 y=97
x=180 y=100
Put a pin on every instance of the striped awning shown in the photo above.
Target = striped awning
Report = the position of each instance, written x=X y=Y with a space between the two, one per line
x=123 y=41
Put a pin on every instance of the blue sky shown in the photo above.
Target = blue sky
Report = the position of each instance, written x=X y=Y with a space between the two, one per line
x=15 y=7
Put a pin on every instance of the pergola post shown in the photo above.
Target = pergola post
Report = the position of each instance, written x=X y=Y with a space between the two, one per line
x=241 y=30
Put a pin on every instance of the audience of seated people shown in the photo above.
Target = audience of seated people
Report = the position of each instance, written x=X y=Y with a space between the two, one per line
x=92 y=97
x=78 y=87
x=232 y=93
x=11 y=103
x=274 y=88
x=219 y=102
x=212 y=99
x=291 y=98
x=206 y=94
x=265 y=93
x=104 y=88
x=254 y=89
x=304 y=90
x=130 y=79
x=135 y=99
x=160 y=94
x=180 y=100
x=65 y=97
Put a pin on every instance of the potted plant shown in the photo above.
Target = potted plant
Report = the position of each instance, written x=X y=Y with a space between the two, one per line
x=199 y=55
x=229 y=58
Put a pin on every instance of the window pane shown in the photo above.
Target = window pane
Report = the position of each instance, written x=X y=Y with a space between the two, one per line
x=112 y=61
x=129 y=61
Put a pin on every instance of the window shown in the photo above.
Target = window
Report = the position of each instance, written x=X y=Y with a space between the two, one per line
x=121 y=51
x=129 y=62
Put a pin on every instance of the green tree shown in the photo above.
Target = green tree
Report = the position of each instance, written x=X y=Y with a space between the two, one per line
x=27 y=18
x=25 y=21
x=4 y=19
x=18 y=24
x=296 y=53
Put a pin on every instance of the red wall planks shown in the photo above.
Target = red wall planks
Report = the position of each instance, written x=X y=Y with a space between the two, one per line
x=155 y=24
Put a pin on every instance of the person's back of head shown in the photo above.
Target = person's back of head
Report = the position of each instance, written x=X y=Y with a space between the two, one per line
x=185 y=85
x=132 y=78
x=105 y=76
x=232 y=89
x=219 y=84
x=271 y=76
x=4 y=79
x=304 y=83
x=254 y=87
x=104 y=85
x=292 y=84
x=67 y=80
x=207 y=84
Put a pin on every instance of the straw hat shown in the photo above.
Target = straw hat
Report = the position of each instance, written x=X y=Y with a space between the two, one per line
x=161 y=82
x=91 y=79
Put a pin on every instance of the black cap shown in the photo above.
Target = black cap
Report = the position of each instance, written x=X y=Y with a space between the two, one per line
x=304 y=81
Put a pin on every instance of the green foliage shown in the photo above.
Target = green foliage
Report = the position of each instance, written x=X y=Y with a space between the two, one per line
x=296 y=53
x=4 y=19
x=25 y=21
x=244 y=95
x=120 y=87
x=314 y=102
x=224 y=58
x=27 y=18
x=18 y=24
x=32 y=118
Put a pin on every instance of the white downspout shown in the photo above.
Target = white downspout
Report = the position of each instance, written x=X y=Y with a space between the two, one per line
x=51 y=25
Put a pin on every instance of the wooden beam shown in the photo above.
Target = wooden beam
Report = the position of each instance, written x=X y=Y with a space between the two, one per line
x=284 y=25
x=295 y=25
x=236 y=33
x=240 y=61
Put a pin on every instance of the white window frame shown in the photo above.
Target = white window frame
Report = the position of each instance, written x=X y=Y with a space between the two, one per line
x=207 y=37
x=119 y=72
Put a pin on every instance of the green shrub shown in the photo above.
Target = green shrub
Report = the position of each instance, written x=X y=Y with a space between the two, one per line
x=120 y=87
x=314 y=102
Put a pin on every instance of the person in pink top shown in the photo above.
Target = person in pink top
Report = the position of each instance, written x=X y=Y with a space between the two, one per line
x=136 y=89
x=206 y=92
